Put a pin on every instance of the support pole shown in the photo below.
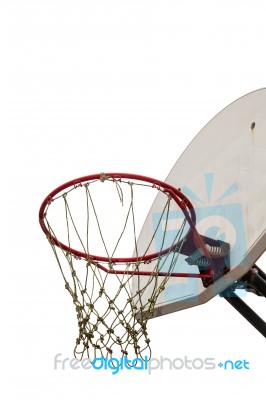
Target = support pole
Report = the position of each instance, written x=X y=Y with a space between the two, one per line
x=257 y=278
x=253 y=318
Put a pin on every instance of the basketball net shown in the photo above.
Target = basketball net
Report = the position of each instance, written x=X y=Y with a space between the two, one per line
x=104 y=216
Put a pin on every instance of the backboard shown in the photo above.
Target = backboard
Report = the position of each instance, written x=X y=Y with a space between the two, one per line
x=222 y=172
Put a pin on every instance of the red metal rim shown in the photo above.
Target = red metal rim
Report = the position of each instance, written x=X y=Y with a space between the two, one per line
x=180 y=199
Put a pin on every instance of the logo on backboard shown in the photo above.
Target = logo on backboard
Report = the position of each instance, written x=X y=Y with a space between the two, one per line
x=218 y=218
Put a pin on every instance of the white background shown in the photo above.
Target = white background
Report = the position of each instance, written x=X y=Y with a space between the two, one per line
x=92 y=86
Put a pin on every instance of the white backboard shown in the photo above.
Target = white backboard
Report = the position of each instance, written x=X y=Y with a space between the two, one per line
x=223 y=174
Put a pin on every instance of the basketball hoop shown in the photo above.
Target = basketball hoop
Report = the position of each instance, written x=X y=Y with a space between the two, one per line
x=99 y=214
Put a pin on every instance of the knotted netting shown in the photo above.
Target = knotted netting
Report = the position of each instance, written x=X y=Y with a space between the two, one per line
x=114 y=296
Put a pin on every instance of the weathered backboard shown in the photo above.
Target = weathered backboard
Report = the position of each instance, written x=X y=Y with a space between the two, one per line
x=223 y=173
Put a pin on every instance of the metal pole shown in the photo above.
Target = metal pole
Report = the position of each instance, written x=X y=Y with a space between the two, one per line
x=257 y=278
x=253 y=318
